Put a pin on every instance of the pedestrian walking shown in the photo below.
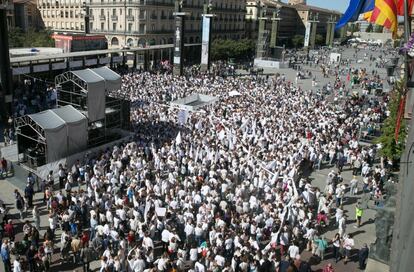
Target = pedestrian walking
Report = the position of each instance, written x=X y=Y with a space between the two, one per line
x=348 y=246
x=336 y=247
x=358 y=214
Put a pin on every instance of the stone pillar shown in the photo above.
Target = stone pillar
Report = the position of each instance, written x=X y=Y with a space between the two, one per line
x=178 y=39
x=6 y=84
x=330 y=31
x=262 y=45
x=275 y=27
x=311 y=26
x=206 y=38
x=314 y=25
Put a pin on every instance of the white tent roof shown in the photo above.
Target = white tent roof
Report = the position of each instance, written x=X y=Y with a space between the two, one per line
x=65 y=129
x=88 y=76
x=47 y=120
x=112 y=79
x=69 y=114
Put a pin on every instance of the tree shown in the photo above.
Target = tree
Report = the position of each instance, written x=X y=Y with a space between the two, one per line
x=32 y=38
x=16 y=37
x=297 y=41
x=225 y=49
x=370 y=28
x=389 y=148
x=319 y=40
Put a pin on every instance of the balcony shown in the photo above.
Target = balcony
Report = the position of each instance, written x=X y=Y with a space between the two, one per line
x=114 y=18
x=102 y=17
x=142 y=17
x=130 y=18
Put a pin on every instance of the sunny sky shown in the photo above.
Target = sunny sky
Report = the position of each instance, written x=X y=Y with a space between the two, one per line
x=339 y=5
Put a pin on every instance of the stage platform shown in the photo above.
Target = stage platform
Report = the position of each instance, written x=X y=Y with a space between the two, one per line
x=270 y=63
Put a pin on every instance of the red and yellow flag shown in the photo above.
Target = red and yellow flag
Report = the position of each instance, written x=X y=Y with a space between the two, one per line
x=385 y=14
x=400 y=7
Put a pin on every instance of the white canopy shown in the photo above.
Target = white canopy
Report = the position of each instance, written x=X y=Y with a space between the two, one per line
x=65 y=129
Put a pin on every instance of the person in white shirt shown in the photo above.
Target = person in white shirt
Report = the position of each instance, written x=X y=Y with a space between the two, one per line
x=199 y=267
x=348 y=245
x=16 y=265
x=162 y=262
x=165 y=238
x=293 y=250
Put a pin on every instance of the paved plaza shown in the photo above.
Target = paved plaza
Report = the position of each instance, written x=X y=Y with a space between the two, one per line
x=362 y=235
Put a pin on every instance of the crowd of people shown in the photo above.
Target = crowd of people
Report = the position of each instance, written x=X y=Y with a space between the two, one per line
x=223 y=188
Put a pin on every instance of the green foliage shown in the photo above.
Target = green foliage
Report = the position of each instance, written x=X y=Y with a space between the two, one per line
x=225 y=49
x=390 y=148
x=319 y=40
x=32 y=38
x=378 y=29
x=370 y=28
x=298 y=41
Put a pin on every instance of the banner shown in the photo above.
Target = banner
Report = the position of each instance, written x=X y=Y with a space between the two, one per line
x=182 y=117
x=178 y=40
x=307 y=33
x=205 y=42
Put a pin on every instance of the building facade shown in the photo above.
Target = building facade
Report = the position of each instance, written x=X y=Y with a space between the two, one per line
x=62 y=15
x=151 y=22
x=289 y=25
x=27 y=15
x=294 y=15
x=324 y=16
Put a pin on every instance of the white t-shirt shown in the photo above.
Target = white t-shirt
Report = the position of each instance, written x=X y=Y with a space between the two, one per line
x=16 y=266
x=293 y=251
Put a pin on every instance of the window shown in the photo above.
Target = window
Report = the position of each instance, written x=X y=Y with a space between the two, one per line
x=130 y=27
x=142 y=28
x=114 y=12
x=102 y=26
x=114 y=26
